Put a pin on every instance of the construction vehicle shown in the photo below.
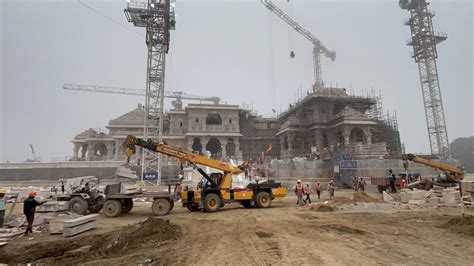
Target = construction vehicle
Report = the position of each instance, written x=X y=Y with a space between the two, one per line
x=119 y=199
x=451 y=174
x=214 y=190
x=81 y=198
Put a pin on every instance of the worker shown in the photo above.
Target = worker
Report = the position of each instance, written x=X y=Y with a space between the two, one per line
x=355 y=184
x=362 y=184
x=299 y=190
x=3 y=201
x=29 y=209
x=331 y=188
x=392 y=178
x=307 y=191
x=177 y=189
x=318 y=189
x=404 y=183
x=87 y=188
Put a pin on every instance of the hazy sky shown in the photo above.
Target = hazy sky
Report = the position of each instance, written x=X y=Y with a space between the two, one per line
x=236 y=50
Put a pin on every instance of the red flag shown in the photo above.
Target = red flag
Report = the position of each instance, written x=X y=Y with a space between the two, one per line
x=269 y=149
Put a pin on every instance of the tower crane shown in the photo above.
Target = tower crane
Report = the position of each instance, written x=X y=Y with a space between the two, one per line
x=36 y=159
x=318 y=47
x=177 y=95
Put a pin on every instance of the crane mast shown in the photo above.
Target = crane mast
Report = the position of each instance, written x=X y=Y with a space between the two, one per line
x=318 y=47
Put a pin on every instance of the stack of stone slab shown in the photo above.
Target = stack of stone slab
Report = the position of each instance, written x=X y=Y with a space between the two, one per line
x=468 y=189
x=71 y=226
x=414 y=196
x=8 y=234
x=53 y=208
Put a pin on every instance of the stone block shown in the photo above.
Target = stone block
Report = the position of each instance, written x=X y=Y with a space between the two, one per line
x=435 y=201
x=72 y=231
x=56 y=226
x=77 y=251
x=450 y=197
x=387 y=197
x=419 y=194
x=405 y=197
x=81 y=220
x=417 y=201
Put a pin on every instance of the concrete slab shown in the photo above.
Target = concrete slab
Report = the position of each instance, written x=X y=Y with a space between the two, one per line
x=78 y=251
x=417 y=201
x=405 y=197
x=387 y=197
x=80 y=220
x=72 y=231
x=435 y=201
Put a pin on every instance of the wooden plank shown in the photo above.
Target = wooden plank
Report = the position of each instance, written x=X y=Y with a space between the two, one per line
x=12 y=208
x=72 y=231
x=80 y=220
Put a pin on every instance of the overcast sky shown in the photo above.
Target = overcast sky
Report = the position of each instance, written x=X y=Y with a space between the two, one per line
x=235 y=50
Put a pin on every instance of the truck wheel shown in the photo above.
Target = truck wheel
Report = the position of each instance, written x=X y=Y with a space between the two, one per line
x=161 y=207
x=263 y=199
x=78 y=205
x=112 y=208
x=212 y=202
x=192 y=207
x=97 y=205
x=127 y=205
x=247 y=204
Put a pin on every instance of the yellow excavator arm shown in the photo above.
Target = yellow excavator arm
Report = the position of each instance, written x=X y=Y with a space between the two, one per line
x=454 y=173
x=179 y=153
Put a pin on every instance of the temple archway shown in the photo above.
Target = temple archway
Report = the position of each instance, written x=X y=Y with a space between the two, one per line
x=197 y=146
x=357 y=135
x=230 y=148
x=214 y=146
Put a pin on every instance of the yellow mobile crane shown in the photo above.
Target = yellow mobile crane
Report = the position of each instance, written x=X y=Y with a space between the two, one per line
x=214 y=190
x=453 y=173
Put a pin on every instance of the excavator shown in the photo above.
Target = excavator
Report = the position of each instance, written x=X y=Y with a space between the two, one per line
x=214 y=190
x=451 y=174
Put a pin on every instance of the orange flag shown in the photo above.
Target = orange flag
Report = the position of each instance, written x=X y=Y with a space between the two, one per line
x=269 y=149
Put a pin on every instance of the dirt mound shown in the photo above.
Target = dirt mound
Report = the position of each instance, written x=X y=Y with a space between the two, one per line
x=363 y=197
x=263 y=234
x=322 y=208
x=343 y=229
x=117 y=243
x=462 y=225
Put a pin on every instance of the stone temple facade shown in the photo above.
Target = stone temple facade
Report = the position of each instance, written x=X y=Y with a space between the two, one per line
x=321 y=121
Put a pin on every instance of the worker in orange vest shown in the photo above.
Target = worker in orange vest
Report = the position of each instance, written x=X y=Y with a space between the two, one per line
x=299 y=190
x=318 y=189
x=307 y=191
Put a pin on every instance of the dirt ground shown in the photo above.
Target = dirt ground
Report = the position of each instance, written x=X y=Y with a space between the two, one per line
x=283 y=234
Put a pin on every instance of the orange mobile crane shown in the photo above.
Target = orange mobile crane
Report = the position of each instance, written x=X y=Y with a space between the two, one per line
x=214 y=190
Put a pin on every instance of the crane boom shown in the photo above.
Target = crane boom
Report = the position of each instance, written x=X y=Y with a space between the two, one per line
x=452 y=172
x=318 y=47
x=128 y=91
x=179 y=153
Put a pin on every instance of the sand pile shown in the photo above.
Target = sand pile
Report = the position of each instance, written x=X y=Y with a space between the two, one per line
x=363 y=197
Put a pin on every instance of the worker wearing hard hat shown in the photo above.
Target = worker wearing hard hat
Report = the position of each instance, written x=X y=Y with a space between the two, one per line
x=299 y=191
x=3 y=201
x=29 y=209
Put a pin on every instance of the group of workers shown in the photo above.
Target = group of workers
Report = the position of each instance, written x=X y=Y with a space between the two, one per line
x=358 y=183
x=303 y=192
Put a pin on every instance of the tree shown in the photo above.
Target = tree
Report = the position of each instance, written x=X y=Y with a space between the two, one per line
x=462 y=149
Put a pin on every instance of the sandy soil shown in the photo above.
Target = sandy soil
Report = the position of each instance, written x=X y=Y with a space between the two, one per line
x=284 y=234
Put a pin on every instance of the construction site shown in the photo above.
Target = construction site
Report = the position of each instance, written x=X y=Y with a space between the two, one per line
x=185 y=178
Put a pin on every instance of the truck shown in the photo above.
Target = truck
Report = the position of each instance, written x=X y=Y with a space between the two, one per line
x=82 y=194
x=118 y=201
x=214 y=190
